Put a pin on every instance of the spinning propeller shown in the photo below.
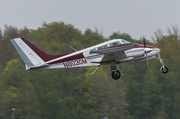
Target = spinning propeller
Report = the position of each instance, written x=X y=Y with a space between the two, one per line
x=146 y=50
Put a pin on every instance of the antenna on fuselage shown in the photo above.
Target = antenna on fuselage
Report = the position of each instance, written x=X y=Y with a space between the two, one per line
x=95 y=70
x=73 y=48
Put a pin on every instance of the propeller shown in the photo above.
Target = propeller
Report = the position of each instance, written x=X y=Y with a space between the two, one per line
x=145 y=50
x=144 y=42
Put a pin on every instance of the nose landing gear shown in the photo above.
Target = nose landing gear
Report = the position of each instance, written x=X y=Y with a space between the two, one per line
x=163 y=69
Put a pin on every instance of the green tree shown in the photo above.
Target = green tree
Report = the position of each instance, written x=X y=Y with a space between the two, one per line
x=11 y=98
x=17 y=83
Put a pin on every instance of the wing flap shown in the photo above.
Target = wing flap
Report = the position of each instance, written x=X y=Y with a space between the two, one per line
x=107 y=58
x=114 y=53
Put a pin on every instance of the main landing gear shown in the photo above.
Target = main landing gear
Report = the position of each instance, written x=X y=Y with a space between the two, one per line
x=115 y=73
x=163 y=69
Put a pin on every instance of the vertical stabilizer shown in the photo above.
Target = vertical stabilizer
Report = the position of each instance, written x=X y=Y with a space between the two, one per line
x=28 y=55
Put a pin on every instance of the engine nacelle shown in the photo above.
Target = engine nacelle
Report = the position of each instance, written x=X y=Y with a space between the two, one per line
x=136 y=52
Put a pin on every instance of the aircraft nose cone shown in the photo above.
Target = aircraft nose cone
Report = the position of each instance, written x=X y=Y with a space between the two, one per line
x=157 y=50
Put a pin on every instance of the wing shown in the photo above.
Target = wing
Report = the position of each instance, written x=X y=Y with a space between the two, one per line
x=114 y=53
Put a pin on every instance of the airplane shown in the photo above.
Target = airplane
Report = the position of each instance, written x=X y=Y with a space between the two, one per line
x=111 y=52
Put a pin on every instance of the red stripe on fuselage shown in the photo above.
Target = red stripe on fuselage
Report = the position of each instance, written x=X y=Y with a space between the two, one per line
x=44 y=56
x=142 y=46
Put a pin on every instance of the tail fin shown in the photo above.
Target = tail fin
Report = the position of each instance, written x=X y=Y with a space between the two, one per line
x=28 y=52
x=32 y=56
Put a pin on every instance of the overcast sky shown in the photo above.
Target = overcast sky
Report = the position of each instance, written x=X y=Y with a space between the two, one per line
x=135 y=17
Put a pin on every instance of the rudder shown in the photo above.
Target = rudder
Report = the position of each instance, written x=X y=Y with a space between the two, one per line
x=29 y=57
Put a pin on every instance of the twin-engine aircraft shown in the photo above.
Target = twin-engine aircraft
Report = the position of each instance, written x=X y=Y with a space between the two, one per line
x=111 y=52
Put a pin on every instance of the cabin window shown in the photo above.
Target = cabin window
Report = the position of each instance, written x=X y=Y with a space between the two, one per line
x=115 y=43
x=125 y=42
x=104 y=46
x=91 y=51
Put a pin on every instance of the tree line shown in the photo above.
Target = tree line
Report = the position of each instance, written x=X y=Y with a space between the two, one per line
x=141 y=93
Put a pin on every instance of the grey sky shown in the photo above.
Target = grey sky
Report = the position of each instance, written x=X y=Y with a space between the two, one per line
x=135 y=17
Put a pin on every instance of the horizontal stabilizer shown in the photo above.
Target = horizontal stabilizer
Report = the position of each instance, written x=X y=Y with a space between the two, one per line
x=38 y=67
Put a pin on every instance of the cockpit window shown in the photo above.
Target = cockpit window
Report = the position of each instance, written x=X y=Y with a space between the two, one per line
x=115 y=43
x=91 y=51
x=125 y=42
x=104 y=46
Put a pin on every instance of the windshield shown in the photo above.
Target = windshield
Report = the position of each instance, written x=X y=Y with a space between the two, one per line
x=102 y=47
x=91 y=51
x=125 y=42
x=115 y=43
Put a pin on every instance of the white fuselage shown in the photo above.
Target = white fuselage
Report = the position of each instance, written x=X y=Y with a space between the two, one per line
x=94 y=59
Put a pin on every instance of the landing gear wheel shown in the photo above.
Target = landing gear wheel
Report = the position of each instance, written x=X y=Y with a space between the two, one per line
x=164 y=69
x=116 y=75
